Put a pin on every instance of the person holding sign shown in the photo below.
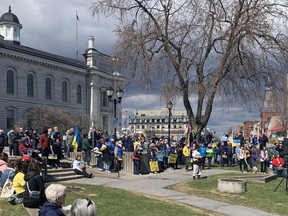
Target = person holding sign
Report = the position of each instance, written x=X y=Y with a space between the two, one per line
x=172 y=156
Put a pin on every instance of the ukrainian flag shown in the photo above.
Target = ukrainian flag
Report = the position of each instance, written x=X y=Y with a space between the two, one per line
x=76 y=139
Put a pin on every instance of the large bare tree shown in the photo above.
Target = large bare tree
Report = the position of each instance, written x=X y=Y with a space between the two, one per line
x=201 y=50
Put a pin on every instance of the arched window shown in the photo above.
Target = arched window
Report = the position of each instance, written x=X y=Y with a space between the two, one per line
x=64 y=91
x=10 y=82
x=48 y=88
x=30 y=86
x=79 y=94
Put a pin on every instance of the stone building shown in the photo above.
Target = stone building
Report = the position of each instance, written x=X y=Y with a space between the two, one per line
x=31 y=77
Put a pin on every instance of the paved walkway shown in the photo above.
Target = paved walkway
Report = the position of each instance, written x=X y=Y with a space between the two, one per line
x=154 y=185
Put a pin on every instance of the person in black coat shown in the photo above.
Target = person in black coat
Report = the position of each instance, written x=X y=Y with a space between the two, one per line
x=34 y=182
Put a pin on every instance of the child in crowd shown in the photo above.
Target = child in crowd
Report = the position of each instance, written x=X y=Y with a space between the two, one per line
x=77 y=168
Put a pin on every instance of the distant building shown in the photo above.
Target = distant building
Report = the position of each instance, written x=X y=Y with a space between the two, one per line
x=31 y=78
x=156 y=122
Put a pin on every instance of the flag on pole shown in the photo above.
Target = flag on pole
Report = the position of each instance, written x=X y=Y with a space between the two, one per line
x=76 y=139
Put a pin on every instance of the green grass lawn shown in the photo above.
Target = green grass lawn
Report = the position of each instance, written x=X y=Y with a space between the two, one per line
x=115 y=202
x=258 y=195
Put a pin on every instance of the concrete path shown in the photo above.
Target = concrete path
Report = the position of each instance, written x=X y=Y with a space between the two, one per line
x=154 y=185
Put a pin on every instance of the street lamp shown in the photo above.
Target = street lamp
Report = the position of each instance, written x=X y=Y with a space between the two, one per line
x=115 y=98
x=169 y=107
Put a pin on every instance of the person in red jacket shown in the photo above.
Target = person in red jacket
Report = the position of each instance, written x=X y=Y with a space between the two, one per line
x=44 y=143
x=279 y=165
x=27 y=151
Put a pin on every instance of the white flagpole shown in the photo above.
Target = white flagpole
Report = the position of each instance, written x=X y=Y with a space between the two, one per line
x=77 y=19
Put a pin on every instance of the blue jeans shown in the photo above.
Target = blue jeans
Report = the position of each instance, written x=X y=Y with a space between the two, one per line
x=137 y=167
x=276 y=171
x=230 y=160
x=100 y=162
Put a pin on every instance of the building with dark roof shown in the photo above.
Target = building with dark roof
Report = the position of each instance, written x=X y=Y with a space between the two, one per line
x=31 y=77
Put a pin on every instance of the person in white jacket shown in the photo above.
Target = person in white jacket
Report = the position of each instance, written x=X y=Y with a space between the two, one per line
x=77 y=168
x=263 y=159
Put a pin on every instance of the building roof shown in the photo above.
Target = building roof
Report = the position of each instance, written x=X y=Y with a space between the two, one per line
x=41 y=54
x=9 y=17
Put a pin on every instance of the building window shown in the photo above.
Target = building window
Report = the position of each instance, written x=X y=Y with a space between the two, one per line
x=10 y=82
x=64 y=91
x=48 y=88
x=10 y=118
x=104 y=99
x=30 y=86
x=79 y=94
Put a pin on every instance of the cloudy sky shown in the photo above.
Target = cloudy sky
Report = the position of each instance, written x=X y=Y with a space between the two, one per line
x=50 y=25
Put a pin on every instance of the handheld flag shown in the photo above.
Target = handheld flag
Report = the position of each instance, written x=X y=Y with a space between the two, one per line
x=76 y=139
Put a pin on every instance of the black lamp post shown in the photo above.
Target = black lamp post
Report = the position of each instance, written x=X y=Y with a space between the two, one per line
x=115 y=99
x=169 y=107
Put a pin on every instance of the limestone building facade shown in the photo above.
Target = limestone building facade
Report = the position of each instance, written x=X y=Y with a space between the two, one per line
x=31 y=77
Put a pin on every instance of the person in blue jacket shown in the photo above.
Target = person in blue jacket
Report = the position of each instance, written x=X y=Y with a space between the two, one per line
x=202 y=150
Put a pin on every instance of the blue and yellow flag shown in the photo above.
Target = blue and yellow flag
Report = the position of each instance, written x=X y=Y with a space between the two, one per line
x=76 y=139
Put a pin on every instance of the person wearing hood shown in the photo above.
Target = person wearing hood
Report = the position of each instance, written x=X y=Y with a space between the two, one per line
x=56 y=194
x=34 y=182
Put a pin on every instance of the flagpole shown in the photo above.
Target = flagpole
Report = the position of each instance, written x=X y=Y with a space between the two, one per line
x=76 y=35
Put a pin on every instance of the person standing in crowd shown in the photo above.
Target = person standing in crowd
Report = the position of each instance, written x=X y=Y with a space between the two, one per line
x=263 y=141
x=187 y=153
x=223 y=154
x=263 y=160
x=70 y=136
x=55 y=194
x=196 y=163
x=86 y=148
x=44 y=143
x=209 y=154
x=137 y=159
x=35 y=139
x=106 y=157
x=248 y=159
x=98 y=154
x=254 y=157
x=13 y=142
x=241 y=158
x=224 y=139
x=57 y=145
x=51 y=162
x=203 y=155
x=160 y=153
x=229 y=154
x=2 y=140
x=34 y=182
x=83 y=207
x=118 y=155
x=216 y=152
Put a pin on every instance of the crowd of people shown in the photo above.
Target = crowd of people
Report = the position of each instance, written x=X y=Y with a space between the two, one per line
x=157 y=152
